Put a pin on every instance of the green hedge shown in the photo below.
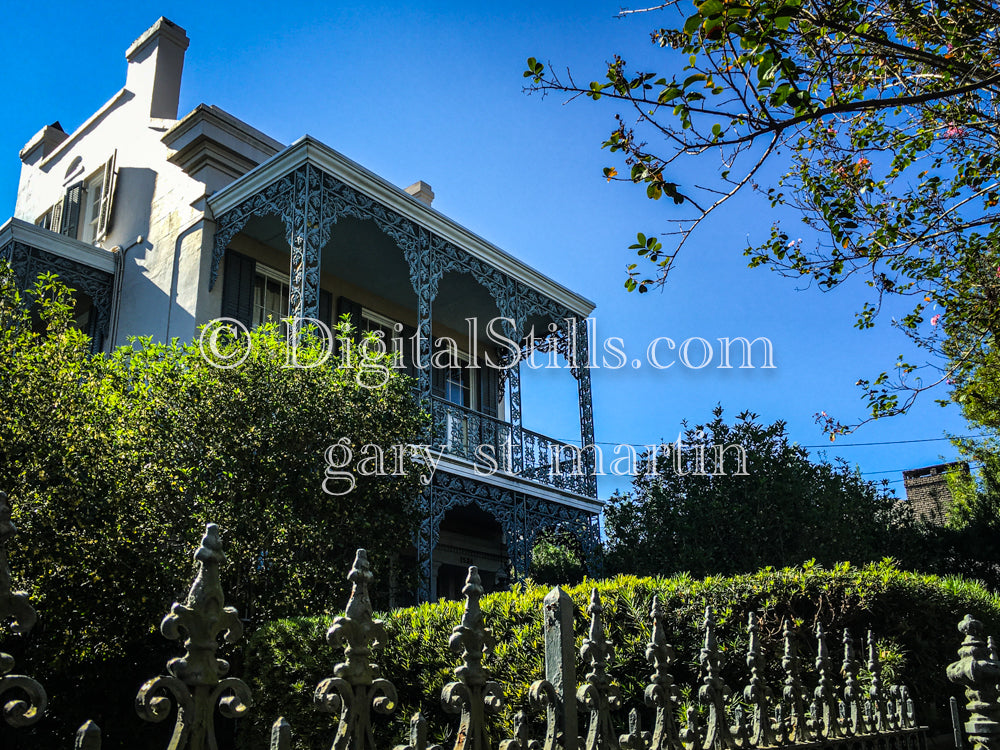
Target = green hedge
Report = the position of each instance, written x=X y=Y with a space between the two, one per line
x=914 y=617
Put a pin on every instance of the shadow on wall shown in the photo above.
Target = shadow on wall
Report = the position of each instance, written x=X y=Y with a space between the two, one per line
x=144 y=304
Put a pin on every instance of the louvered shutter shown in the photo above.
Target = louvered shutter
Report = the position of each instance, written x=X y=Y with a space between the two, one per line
x=237 y=287
x=489 y=386
x=326 y=307
x=55 y=218
x=353 y=309
x=438 y=376
x=409 y=335
x=107 y=197
x=70 y=225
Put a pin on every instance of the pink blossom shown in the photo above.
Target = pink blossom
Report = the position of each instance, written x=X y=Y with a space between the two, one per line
x=935 y=319
x=953 y=131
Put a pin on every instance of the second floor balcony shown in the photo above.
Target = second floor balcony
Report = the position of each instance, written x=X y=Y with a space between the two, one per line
x=312 y=234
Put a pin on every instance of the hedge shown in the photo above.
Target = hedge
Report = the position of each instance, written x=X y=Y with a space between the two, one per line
x=914 y=617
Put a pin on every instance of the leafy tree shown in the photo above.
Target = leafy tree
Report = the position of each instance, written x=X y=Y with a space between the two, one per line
x=710 y=516
x=114 y=463
x=881 y=118
x=557 y=559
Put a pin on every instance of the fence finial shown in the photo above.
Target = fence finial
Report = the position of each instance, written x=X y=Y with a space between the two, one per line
x=979 y=673
x=661 y=691
x=826 y=692
x=757 y=693
x=356 y=688
x=473 y=695
x=855 y=720
x=878 y=720
x=16 y=609
x=713 y=690
x=597 y=694
x=797 y=728
x=198 y=679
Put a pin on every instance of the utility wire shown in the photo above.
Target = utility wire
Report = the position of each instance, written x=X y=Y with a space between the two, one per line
x=821 y=445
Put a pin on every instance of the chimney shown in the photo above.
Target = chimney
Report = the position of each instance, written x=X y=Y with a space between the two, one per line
x=155 y=63
x=43 y=143
x=422 y=192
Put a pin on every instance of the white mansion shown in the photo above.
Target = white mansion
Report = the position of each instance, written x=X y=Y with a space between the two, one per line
x=162 y=223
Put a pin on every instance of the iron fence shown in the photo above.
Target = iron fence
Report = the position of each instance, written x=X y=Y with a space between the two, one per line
x=563 y=713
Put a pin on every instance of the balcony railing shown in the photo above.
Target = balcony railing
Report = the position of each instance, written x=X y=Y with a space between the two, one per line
x=489 y=442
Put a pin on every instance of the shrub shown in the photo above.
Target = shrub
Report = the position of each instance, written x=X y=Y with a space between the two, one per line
x=114 y=463
x=913 y=616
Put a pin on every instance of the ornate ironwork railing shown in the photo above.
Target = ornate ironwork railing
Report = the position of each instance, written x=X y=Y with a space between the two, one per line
x=472 y=435
x=554 y=463
x=197 y=683
x=487 y=441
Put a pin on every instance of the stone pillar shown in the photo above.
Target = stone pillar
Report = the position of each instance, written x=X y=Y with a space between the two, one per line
x=560 y=662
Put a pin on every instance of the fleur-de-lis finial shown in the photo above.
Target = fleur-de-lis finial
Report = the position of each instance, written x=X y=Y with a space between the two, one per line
x=473 y=695
x=16 y=609
x=826 y=693
x=597 y=694
x=855 y=722
x=797 y=729
x=198 y=680
x=979 y=673
x=357 y=688
x=875 y=692
x=661 y=692
x=713 y=690
x=757 y=693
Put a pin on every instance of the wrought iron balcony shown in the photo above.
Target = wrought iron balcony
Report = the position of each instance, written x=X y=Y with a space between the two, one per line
x=493 y=444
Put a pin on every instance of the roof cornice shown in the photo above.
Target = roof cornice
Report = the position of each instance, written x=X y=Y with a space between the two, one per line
x=309 y=150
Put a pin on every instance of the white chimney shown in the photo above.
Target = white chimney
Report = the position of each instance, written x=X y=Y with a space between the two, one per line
x=422 y=192
x=155 y=64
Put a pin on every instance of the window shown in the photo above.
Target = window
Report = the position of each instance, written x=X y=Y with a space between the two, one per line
x=270 y=296
x=397 y=338
x=93 y=192
x=458 y=383
x=45 y=220
x=85 y=210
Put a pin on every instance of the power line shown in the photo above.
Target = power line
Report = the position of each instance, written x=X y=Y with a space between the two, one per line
x=821 y=445
x=890 y=442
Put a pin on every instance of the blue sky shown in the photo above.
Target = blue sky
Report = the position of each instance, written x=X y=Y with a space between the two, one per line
x=435 y=93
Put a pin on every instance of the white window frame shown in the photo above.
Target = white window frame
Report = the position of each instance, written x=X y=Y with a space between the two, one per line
x=93 y=188
x=274 y=275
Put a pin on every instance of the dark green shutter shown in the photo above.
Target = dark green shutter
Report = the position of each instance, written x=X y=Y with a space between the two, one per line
x=352 y=309
x=326 y=307
x=409 y=336
x=489 y=386
x=71 y=210
x=438 y=375
x=237 y=287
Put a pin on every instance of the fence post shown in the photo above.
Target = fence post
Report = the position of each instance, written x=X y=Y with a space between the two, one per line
x=16 y=609
x=560 y=662
x=88 y=737
x=978 y=672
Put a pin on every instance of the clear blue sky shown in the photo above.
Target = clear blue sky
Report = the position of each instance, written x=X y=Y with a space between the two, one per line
x=435 y=93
